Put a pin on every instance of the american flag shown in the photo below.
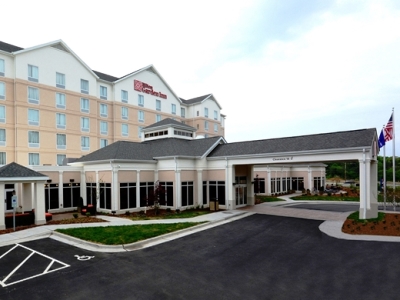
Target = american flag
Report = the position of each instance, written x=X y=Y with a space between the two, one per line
x=388 y=131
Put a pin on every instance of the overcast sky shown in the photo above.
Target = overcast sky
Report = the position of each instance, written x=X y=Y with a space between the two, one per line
x=277 y=67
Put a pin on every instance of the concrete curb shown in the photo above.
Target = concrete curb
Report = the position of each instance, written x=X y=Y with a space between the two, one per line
x=146 y=243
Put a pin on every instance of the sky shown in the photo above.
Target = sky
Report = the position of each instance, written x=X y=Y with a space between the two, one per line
x=278 y=68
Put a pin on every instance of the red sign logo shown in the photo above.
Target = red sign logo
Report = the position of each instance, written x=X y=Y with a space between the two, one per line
x=146 y=88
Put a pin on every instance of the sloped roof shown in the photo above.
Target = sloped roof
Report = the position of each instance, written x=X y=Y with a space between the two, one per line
x=200 y=99
x=149 y=150
x=14 y=170
x=324 y=141
x=105 y=77
x=9 y=48
x=170 y=122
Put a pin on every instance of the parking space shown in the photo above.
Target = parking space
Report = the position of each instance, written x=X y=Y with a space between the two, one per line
x=326 y=206
x=258 y=257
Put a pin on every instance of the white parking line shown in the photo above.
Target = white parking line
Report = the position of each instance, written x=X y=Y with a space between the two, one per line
x=3 y=282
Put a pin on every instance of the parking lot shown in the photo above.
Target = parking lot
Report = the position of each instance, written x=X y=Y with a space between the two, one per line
x=258 y=257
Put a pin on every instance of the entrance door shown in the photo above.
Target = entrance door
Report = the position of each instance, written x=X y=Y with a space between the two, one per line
x=8 y=193
x=241 y=194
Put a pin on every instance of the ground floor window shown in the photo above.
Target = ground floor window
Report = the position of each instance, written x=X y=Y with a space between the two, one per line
x=217 y=191
x=319 y=182
x=105 y=195
x=259 y=185
x=297 y=183
x=205 y=202
x=8 y=188
x=167 y=194
x=146 y=193
x=187 y=193
x=71 y=194
x=91 y=193
x=127 y=195
x=51 y=196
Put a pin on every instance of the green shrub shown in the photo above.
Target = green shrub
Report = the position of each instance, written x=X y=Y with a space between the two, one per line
x=75 y=215
x=88 y=214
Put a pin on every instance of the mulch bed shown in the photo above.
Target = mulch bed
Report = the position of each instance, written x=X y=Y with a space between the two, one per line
x=389 y=226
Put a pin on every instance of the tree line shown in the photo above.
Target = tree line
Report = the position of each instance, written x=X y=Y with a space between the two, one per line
x=351 y=171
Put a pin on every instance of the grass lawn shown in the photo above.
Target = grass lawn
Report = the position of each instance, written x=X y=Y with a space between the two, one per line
x=269 y=199
x=117 y=235
x=170 y=215
x=326 y=198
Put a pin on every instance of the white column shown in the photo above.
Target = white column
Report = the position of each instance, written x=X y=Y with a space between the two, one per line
x=60 y=190
x=178 y=197
x=40 y=207
x=250 y=186
x=268 y=183
x=27 y=203
x=97 y=191
x=200 y=187
x=83 y=187
x=309 y=179
x=368 y=208
x=137 y=188
x=156 y=175
x=2 y=205
x=281 y=189
x=230 y=199
x=114 y=189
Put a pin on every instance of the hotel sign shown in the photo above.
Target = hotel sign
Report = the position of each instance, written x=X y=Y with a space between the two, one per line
x=283 y=158
x=147 y=88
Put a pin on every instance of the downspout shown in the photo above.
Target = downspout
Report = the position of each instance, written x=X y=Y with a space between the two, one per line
x=365 y=186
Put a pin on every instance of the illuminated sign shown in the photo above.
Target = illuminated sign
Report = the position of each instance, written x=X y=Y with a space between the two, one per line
x=147 y=88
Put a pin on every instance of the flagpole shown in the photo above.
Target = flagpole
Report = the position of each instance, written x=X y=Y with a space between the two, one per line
x=384 y=175
x=394 y=163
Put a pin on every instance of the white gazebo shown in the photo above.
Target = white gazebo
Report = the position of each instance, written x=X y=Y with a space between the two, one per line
x=29 y=187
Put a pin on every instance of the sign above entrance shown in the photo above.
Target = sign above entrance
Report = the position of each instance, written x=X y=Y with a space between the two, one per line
x=283 y=158
x=147 y=88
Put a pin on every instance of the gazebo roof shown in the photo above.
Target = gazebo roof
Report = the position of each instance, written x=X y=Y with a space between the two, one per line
x=18 y=173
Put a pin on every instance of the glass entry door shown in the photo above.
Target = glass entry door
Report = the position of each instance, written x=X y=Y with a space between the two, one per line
x=8 y=193
x=241 y=194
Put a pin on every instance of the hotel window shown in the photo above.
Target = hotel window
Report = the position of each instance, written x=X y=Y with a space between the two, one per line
x=2 y=137
x=205 y=125
x=124 y=129
x=183 y=112
x=158 y=118
x=205 y=112
x=85 y=143
x=216 y=127
x=85 y=124
x=124 y=113
x=103 y=143
x=61 y=141
x=103 y=92
x=3 y=160
x=33 y=73
x=158 y=105
x=127 y=192
x=173 y=109
x=140 y=129
x=60 y=80
x=84 y=86
x=2 y=91
x=34 y=159
x=33 y=139
x=103 y=127
x=124 y=96
x=103 y=110
x=33 y=95
x=141 y=100
x=2 y=114
x=33 y=117
x=60 y=159
x=61 y=121
x=84 y=105
x=215 y=115
x=141 y=116
x=2 y=67
x=187 y=193
x=197 y=113
x=60 y=100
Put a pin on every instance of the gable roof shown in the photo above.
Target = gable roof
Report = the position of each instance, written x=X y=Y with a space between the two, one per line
x=9 y=48
x=14 y=170
x=200 y=100
x=315 y=142
x=152 y=150
x=169 y=122
x=105 y=77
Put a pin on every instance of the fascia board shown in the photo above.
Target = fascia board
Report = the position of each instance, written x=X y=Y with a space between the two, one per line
x=271 y=155
x=107 y=161
x=166 y=126
x=177 y=156
x=11 y=54
x=214 y=99
x=64 y=45
x=213 y=146
x=23 y=179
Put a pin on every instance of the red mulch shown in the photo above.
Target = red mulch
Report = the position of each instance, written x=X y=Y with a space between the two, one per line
x=389 y=226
